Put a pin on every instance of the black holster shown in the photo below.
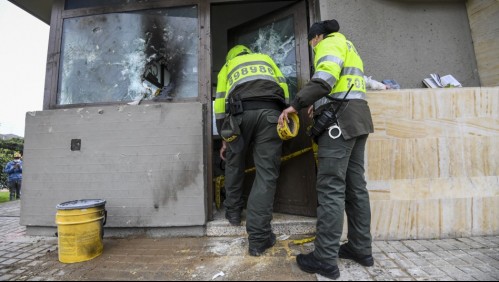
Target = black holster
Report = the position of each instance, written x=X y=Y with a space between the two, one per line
x=234 y=106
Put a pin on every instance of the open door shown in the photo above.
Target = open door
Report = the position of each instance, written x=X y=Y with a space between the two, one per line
x=283 y=36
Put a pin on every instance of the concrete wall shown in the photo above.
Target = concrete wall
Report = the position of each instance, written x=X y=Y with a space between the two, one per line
x=143 y=160
x=408 y=40
x=432 y=163
x=484 y=22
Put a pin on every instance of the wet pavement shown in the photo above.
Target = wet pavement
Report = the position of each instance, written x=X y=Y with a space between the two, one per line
x=32 y=258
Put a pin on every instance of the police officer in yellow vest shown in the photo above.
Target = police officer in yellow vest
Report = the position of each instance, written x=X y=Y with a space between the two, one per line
x=341 y=127
x=251 y=93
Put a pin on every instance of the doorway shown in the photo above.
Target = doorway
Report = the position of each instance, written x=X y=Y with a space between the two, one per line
x=279 y=29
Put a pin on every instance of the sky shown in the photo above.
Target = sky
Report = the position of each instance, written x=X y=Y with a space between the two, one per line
x=23 y=57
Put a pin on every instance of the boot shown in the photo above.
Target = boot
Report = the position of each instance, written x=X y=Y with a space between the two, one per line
x=346 y=253
x=310 y=264
x=256 y=252
x=234 y=218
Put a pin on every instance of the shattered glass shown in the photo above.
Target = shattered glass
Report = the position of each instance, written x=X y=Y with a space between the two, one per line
x=278 y=41
x=130 y=56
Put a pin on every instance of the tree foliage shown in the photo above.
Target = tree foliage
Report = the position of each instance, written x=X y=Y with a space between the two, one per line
x=7 y=149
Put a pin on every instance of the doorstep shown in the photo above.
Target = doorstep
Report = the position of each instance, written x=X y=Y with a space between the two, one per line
x=282 y=224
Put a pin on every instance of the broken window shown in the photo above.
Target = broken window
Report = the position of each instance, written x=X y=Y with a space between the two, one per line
x=278 y=41
x=130 y=56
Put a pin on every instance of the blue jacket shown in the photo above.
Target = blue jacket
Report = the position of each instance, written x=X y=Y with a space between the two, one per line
x=13 y=172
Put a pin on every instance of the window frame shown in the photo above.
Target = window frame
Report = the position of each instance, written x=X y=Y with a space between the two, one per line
x=59 y=14
x=55 y=47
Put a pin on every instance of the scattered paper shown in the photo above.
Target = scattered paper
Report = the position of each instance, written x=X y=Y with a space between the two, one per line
x=436 y=81
x=283 y=237
x=450 y=81
x=220 y=274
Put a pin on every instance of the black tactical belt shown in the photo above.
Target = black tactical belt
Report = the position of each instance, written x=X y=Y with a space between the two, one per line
x=261 y=105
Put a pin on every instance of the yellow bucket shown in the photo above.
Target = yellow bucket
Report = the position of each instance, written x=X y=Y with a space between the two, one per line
x=80 y=230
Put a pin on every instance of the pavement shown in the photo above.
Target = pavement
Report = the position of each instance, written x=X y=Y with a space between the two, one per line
x=33 y=258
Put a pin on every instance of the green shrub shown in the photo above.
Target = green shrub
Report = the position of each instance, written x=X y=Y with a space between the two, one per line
x=4 y=197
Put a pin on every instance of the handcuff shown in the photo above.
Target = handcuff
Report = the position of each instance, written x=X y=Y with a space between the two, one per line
x=335 y=125
x=332 y=128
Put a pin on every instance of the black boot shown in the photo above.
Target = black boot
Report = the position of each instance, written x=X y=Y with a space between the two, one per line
x=234 y=218
x=310 y=264
x=346 y=253
x=256 y=252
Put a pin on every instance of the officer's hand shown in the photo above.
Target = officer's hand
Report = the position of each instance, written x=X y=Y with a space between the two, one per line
x=311 y=111
x=284 y=115
x=222 y=150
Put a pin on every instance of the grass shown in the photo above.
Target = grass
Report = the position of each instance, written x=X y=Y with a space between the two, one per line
x=4 y=196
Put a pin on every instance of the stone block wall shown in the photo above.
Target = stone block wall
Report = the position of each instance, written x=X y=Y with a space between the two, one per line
x=484 y=23
x=432 y=164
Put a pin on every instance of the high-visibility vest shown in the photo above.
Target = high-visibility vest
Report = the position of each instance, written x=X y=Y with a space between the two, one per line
x=339 y=65
x=242 y=69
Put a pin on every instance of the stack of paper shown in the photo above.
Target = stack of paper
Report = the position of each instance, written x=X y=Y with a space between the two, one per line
x=450 y=81
x=435 y=81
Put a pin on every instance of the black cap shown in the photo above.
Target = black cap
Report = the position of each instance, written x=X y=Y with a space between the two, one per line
x=324 y=27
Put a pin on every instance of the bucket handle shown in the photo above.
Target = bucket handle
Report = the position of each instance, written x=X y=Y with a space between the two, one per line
x=105 y=218
x=103 y=223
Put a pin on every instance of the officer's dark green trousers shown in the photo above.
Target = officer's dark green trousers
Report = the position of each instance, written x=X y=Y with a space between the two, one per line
x=341 y=187
x=258 y=128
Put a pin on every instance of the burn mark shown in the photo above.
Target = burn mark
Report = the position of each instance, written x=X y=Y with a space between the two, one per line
x=104 y=57
x=173 y=180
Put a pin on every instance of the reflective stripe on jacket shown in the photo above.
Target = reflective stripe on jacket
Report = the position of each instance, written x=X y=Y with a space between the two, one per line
x=339 y=65
x=242 y=69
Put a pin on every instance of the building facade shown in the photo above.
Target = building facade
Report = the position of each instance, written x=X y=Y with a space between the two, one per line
x=128 y=111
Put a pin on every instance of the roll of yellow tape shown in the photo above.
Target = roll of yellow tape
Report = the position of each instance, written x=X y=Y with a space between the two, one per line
x=289 y=130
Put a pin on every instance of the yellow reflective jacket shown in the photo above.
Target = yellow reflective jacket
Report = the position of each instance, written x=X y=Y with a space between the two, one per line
x=339 y=65
x=243 y=69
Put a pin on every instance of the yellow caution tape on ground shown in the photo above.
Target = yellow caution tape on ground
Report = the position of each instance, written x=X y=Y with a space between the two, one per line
x=304 y=241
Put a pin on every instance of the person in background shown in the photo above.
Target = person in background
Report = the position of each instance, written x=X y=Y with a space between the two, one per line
x=341 y=186
x=251 y=93
x=14 y=170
